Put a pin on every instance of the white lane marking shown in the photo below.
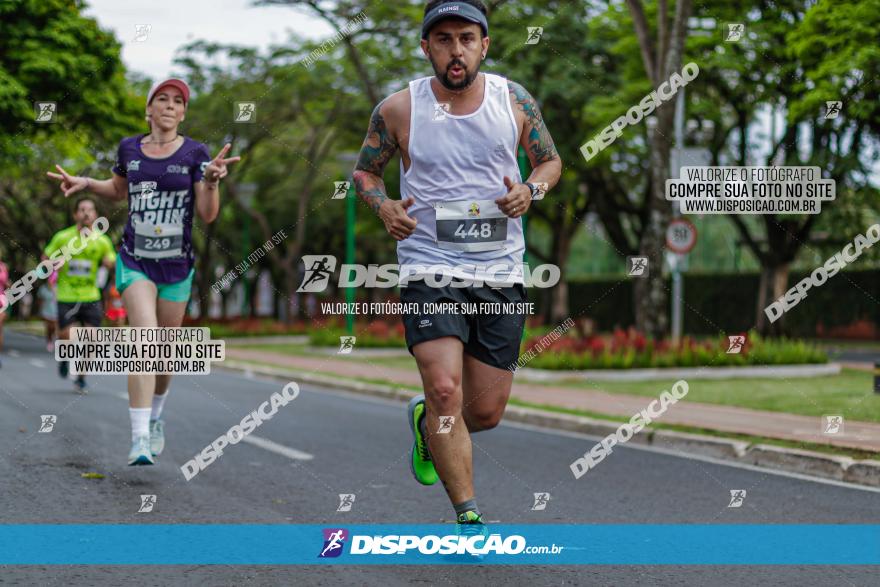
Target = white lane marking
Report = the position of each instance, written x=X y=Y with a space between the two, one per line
x=280 y=449
x=14 y=353
x=38 y=363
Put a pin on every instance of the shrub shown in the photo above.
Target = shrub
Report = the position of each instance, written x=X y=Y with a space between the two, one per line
x=630 y=349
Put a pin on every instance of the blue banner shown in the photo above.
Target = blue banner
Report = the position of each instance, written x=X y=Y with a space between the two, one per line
x=562 y=544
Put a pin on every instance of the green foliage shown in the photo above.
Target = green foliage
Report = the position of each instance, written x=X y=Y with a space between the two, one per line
x=50 y=52
x=689 y=353
x=724 y=302
x=365 y=338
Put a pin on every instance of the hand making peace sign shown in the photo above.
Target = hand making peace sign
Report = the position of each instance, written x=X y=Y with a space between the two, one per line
x=216 y=169
x=70 y=184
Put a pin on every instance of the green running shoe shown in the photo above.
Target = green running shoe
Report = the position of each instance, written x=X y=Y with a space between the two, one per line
x=470 y=524
x=421 y=466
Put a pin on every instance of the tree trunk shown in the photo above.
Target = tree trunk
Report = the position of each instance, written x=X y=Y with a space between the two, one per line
x=559 y=309
x=773 y=284
x=651 y=301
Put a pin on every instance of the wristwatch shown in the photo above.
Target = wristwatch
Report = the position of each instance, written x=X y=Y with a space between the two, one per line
x=537 y=192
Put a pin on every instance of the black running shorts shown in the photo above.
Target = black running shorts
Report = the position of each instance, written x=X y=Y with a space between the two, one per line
x=88 y=313
x=493 y=338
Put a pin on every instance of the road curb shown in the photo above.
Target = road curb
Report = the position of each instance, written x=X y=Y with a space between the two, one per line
x=864 y=472
x=662 y=374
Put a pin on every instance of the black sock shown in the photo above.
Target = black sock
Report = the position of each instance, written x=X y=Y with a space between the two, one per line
x=466 y=506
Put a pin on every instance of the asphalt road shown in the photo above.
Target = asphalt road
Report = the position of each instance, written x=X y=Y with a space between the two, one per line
x=325 y=443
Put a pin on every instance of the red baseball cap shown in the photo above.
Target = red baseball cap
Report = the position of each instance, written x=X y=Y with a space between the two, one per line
x=172 y=81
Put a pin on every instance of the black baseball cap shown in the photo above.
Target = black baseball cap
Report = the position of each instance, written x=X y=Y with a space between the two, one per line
x=460 y=10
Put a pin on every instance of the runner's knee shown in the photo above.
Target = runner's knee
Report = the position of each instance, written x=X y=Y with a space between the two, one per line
x=482 y=419
x=443 y=394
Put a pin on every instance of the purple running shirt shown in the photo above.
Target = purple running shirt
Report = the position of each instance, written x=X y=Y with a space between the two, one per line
x=161 y=202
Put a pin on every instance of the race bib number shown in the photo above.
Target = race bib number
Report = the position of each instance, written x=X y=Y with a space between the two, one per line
x=79 y=268
x=471 y=225
x=158 y=241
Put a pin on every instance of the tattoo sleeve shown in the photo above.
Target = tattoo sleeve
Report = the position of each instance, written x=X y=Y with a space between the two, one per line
x=541 y=148
x=378 y=148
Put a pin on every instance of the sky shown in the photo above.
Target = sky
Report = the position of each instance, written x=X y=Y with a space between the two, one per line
x=174 y=23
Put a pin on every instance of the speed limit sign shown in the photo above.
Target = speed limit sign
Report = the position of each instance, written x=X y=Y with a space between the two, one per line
x=681 y=236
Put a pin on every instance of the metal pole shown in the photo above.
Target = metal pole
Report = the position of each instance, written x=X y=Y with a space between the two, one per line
x=245 y=243
x=350 y=202
x=677 y=281
x=524 y=173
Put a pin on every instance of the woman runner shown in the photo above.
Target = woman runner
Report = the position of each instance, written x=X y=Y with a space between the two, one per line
x=166 y=177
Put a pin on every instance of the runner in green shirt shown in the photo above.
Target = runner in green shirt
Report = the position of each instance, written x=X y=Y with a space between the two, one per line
x=79 y=293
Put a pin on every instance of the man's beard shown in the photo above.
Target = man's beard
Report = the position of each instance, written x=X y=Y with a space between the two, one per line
x=443 y=75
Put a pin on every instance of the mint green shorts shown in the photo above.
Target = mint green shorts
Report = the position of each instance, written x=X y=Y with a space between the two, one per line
x=178 y=291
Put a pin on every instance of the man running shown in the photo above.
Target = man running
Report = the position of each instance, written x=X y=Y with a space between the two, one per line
x=78 y=293
x=462 y=199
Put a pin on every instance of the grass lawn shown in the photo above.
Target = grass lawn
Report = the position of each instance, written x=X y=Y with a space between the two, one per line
x=850 y=393
x=854 y=453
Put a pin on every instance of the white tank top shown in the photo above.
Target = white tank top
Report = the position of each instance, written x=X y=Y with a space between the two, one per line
x=460 y=158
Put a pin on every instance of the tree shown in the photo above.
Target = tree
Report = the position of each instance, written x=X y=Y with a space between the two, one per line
x=49 y=52
x=661 y=57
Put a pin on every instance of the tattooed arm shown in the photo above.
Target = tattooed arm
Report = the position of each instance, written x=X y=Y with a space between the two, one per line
x=534 y=137
x=379 y=146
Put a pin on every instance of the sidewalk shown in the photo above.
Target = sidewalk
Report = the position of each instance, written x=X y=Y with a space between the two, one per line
x=859 y=435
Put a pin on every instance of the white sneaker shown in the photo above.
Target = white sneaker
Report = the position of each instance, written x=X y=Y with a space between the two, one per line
x=140 y=452
x=157 y=437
